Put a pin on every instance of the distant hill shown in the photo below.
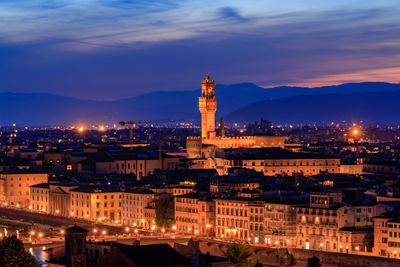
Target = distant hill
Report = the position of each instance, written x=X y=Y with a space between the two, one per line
x=48 y=109
x=373 y=107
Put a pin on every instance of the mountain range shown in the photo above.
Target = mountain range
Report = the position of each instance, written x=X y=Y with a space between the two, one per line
x=373 y=102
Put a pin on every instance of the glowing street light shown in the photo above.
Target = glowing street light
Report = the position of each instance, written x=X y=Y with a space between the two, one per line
x=104 y=232
x=127 y=229
x=174 y=227
x=94 y=230
x=62 y=232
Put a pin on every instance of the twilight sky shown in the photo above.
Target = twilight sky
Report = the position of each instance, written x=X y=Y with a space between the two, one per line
x=103 y=49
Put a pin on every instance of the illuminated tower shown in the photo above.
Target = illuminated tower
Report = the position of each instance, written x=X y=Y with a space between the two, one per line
x=208 y=107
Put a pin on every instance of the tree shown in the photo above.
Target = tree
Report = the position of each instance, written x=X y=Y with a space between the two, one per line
x=314 y=262
x=13 y=254
x=164 y=212
x=368 y=241
x=238 y=254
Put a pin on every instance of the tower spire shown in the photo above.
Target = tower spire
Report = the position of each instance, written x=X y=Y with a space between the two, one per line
x=222 y=128
x=208 y=75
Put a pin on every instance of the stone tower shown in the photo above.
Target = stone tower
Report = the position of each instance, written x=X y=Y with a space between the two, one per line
x=75 y=247
x=208 y=107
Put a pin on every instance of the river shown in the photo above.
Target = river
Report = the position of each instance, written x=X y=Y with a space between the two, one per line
x=39 y=255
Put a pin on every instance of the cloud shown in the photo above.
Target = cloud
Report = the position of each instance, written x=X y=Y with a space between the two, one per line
x=114 y=49
x=230 y=13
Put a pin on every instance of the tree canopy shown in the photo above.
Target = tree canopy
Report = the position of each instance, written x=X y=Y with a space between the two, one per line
x=164 y=212
x=238 y=254
x=13 y=254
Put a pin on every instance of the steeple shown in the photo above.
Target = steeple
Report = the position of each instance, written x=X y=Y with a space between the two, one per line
x=222 y=128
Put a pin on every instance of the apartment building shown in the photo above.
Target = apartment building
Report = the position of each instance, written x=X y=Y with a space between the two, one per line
x=133 y=203
x=39 y=198
x=317 y=222
x=194 y=213
x=232 y=219
x=15 y=186
x=96 y=203
x=280 y=222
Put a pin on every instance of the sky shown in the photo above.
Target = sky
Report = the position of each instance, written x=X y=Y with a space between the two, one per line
x=107 y=50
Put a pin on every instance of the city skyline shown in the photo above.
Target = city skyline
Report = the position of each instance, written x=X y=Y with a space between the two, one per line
x=108 y=50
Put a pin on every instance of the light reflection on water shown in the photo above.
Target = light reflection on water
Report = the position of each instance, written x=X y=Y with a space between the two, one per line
x=39 y=255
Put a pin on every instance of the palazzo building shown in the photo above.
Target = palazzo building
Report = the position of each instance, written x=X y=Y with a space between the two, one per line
x=208 y=107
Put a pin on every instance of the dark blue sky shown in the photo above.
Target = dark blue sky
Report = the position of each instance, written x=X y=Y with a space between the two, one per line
x=116 y=49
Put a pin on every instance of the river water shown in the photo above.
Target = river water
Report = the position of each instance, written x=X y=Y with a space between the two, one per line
x=39 y=255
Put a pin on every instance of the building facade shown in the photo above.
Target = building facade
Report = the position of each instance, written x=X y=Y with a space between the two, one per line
x=16 y=186
x=133 y=205
x=96 y=204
